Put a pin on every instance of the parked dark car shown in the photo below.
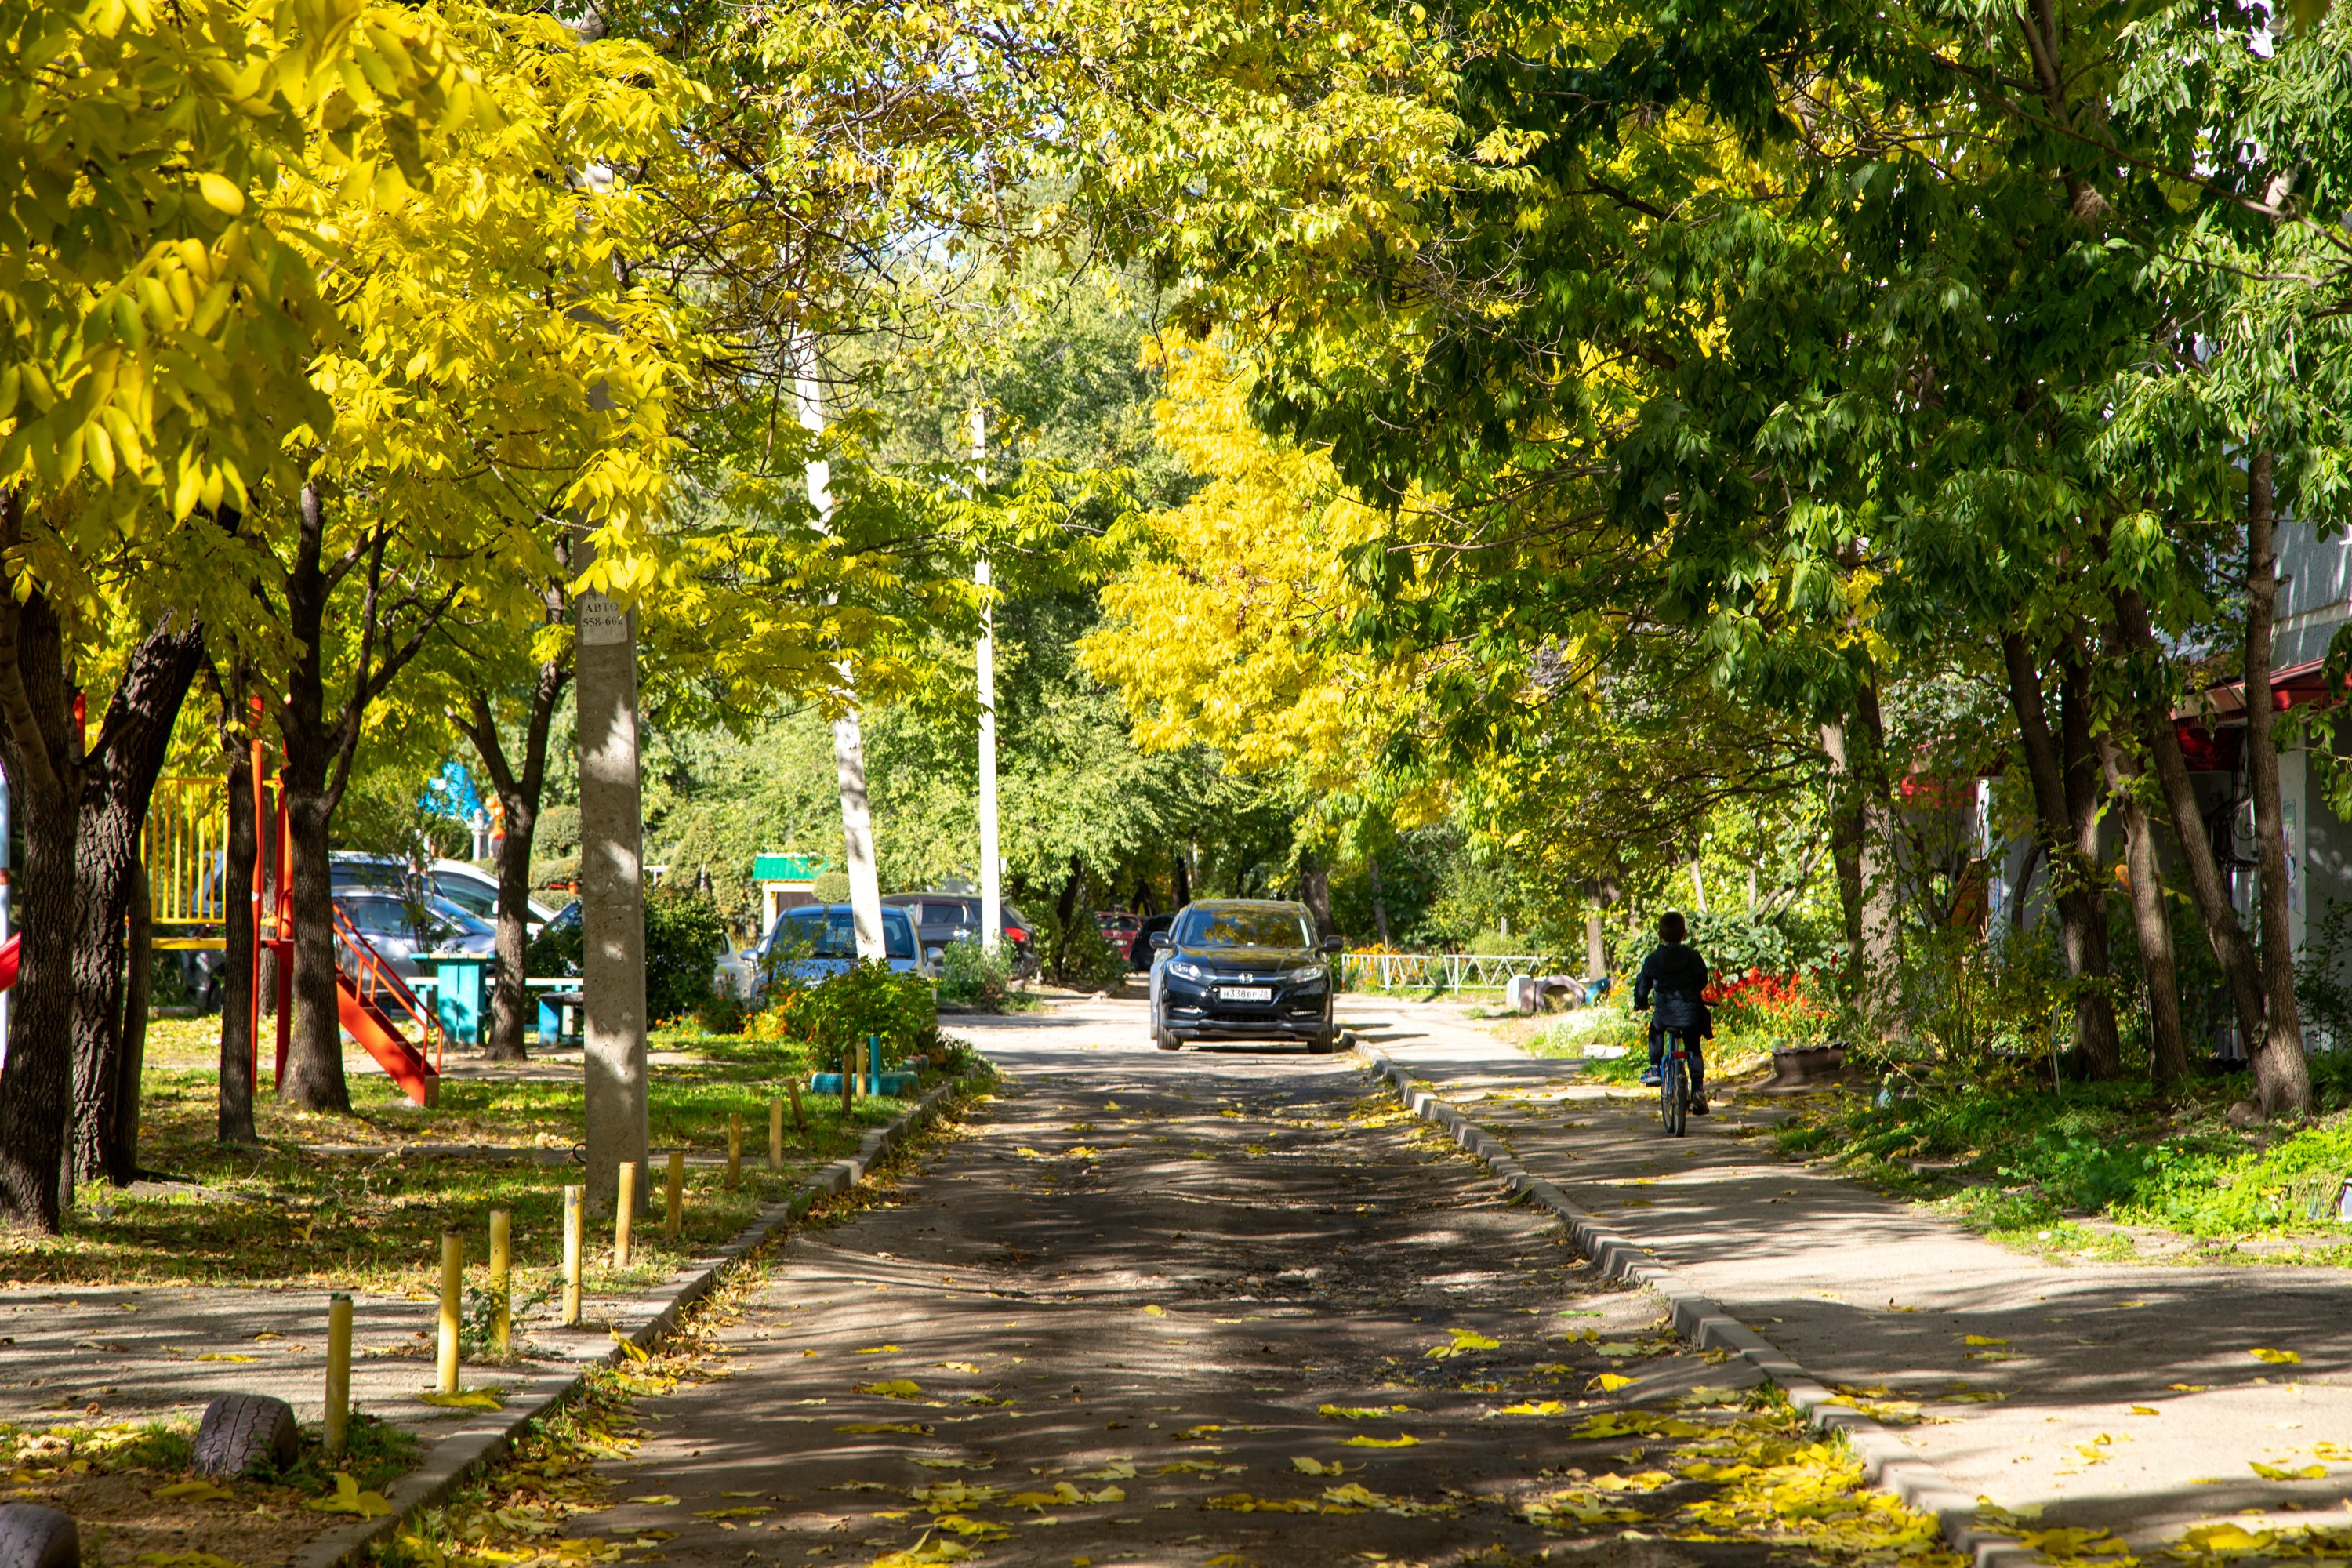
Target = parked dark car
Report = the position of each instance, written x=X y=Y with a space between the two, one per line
x=1243 y=969
x=942 y=918
x=1138 y=950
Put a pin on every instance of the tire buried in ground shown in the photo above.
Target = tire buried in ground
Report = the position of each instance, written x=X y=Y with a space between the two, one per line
x=32 y=1536
x=245 y=1432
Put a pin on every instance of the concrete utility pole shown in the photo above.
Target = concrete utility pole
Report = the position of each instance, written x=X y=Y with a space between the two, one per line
x=848 y=739
x=612 y=890
x=991 y=865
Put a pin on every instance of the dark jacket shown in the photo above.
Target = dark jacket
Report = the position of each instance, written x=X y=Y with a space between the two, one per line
x=1671 y=980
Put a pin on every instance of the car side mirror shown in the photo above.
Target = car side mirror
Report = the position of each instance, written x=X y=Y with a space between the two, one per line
x=932 y=955
x=1332 y=944
x=1156 y=941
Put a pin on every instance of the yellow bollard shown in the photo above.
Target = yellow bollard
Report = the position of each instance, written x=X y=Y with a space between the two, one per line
x=452 y=1287
x=338 y=1371
x=676 y=1192
x=775 y=1133
x=501 y=1282
x=625 y=1214
x=574 y=1199
x=734 y=1150
x=800 y=1117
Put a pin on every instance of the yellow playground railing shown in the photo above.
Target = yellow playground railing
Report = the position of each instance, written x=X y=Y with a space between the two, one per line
x=184 y=847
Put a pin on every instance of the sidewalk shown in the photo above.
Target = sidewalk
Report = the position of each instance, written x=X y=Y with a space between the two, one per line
x=1866 y=1290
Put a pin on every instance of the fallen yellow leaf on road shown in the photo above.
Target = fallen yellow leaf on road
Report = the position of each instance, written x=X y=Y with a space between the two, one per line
x=1536 y=1407
x=2281 y=1473
x=465 y=1399
x=223 y=1355
x=1401 y=1440
x=196 y=1491
x=2189 y=1387
x=1611 y=1382
x=1155 y=1311
x=2145 y=1410
x=2276 y=1358
x=1306 y=1465
x=893 y=1389
x=655 y=1500
x=1981 y=1339
x=1361 y=1412
x=879 y=1349
x=1465 y=1342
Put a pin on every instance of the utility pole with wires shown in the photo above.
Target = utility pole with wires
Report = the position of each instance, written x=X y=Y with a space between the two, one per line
x=991 y=866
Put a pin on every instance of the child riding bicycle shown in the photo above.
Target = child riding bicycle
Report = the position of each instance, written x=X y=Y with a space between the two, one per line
x=1671 y=983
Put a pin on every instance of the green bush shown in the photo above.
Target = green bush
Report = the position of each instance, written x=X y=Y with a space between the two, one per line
x=684 y=934
x=556 y=950
x=870 y=998
x=969 y=974
x=1083 y=958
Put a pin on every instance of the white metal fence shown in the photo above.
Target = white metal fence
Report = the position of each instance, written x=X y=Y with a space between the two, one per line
x=1442 y=971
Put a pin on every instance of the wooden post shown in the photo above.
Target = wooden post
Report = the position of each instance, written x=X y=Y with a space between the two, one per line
x=734 y=1150
x=575 y=1200
x=625 y=1213
x=502 y=1282
x=775 y=1133
x=453 y=1288
x=338 y=1371
x=848 y=1082
x=800 y=1117
x=677 y=1194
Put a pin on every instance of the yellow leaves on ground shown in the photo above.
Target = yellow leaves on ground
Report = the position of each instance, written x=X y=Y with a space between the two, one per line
x=875 y=1428
x=1610 y=1382
x=2276 y=1358
x=467 y=1399
x=656 y=1499
x=1353 y=1497
x=1361 y=1412
x=1982 y=1339
x=947 y=1496
x=1064 y=1495
x=1635 y=1423
x=196 y=1491
x=879 y=1349
x=226 y=1355
x=350 y=1499
x=893 y=1389
x=1401 y=1440
x=1199 y=1467
x=2282 y=1473
x=1465 y=1342
x=1536 y=1407
x=1155 y=1311
x=2145 y=1410
x=1307 y=1466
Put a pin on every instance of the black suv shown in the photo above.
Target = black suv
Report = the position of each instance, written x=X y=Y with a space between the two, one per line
x=1243 y=969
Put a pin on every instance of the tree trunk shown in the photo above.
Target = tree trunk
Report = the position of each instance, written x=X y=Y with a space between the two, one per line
x=2241 y=967
x=2168 y=1051
x=2066 y=799
x=1066 y=909
x=235 y=1124
x=1862 y=838
x=1315 y=892
x=2282 y=1075
x=42 y=746
x=1183 y=879
x=314 y=1056
x=1380 y=900
x=123 y=1152
x=118 y=781
x=519 y=800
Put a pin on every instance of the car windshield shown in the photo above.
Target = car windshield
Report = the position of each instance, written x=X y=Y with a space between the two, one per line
x=1274 y=927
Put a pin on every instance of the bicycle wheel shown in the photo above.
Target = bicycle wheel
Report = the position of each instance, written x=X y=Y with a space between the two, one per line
x=1674 y=1094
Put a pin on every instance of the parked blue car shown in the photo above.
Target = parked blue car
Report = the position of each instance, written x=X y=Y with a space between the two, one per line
x=816 y=942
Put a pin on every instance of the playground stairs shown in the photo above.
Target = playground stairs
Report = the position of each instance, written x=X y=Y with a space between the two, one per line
x=381 y=1039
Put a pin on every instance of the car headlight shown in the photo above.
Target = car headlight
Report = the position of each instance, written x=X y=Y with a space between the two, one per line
x=1310 y=979
x=1185 y=969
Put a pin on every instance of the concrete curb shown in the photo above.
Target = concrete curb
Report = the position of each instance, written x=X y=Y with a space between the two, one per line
x=1890 y=1465
x=455 y=1457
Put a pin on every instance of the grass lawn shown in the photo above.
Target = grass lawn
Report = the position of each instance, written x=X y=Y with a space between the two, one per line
x=2028 y=1164
x=285 y=1213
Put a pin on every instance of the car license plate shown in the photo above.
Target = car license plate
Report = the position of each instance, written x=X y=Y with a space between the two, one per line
x=1244 y=993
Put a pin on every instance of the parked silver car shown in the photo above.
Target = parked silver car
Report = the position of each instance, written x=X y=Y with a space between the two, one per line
x=399 y=929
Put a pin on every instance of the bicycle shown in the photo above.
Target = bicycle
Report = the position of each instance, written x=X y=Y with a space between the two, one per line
x=1673 y=1084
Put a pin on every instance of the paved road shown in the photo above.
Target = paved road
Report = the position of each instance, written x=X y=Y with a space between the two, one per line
x=1143 y=1278
x=2129 y=1397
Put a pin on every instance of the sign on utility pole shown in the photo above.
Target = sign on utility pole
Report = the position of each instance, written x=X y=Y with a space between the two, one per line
x=991 y=866
x=848 y=739
x=612 y=890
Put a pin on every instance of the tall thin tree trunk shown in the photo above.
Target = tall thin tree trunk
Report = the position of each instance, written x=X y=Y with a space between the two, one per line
x=2168 y=1051
x=42 y=747
x=2282 y=1075
x=1861 y=840
x=119 y=780
x=1380 y=900
x=1183 y=877
x=1315 y=892
x=519 y=793
x=2058 y=780
x=234 y=1123
x=2233 y=950
x=314 y=1056
x=122 y=1154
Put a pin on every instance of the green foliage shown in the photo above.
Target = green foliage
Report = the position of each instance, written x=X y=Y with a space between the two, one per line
x=684 y=936
x=830 y=887
x=556 y=950
x=869 y=999
x=972 y=975
x=2322 y=993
